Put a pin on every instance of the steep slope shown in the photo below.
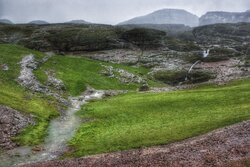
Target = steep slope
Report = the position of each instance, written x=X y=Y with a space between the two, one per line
x=231 y=35
x=224 y=17
x=166 y=16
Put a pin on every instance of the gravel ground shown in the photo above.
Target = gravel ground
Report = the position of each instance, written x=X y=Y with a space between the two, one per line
x=11 y=123
x=218 y=148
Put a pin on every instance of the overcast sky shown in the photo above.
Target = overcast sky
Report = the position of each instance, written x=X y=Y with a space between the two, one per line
x=106 y=11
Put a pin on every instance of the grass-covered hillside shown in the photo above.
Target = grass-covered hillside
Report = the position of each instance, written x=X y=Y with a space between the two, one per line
x=147 y=119
x=77 y=73
x=43 y=108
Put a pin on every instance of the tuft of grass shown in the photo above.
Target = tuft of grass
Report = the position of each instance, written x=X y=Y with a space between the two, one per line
x=147 y=119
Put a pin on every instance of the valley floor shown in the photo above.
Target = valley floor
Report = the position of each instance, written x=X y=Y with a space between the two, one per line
x=218 y=148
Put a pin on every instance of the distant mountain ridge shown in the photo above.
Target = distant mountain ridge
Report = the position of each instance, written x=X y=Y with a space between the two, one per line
x=224 y=17
x=5 y=21
x=78 y=22
x=38 y=22
x=166 y=16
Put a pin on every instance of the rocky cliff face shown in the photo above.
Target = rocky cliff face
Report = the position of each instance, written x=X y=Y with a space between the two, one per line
x=224 y=17
x=166 y=16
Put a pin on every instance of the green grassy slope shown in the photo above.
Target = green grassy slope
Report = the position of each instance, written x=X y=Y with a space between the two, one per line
x=78 y=72
x=147 y=119
x=14 y=96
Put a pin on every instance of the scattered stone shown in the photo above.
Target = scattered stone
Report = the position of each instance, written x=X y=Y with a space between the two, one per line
x=11 y=123
x=4 y=67
x=28 y=80
x=122 y=75
x=110 y=93
x=37 y=149
x=54 y=82
x=144 y=87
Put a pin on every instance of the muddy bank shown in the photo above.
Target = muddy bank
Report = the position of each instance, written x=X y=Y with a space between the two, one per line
x=215 y=149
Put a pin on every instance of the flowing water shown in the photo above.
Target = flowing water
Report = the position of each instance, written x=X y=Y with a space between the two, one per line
x=61 y=130
x=205 y=54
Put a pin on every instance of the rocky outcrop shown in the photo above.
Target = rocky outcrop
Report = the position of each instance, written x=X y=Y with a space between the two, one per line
x=28 y=80
x=215 y=149
x=54 y=82
x=122 y=75
x=11 y=123
x=225 y=71
x=224 y=17
x=233 y=36
x=166 y=16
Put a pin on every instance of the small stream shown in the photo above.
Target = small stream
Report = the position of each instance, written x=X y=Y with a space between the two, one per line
x=61 y=130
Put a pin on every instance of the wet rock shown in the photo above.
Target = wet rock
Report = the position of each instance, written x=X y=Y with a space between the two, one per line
x=11 y=123
x=37 y=149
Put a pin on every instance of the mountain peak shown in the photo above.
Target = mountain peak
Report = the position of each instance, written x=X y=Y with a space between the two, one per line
x=166 y=16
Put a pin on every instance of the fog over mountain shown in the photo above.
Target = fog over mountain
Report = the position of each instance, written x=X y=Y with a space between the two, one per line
x=106 y=11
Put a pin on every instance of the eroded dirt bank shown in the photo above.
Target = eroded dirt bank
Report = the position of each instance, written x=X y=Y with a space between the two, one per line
x=218 y=148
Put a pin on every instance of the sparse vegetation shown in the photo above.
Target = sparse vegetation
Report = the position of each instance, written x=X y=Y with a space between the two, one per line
x=170 y=77
x=200 y=76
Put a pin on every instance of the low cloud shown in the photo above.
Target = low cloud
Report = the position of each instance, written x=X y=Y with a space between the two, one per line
x=106 y=11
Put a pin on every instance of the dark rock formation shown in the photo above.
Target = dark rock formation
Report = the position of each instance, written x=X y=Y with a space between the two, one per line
x=11 y=123
x=233 y=36
x=170 y=29
x=166 y=16
x=224 y=17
